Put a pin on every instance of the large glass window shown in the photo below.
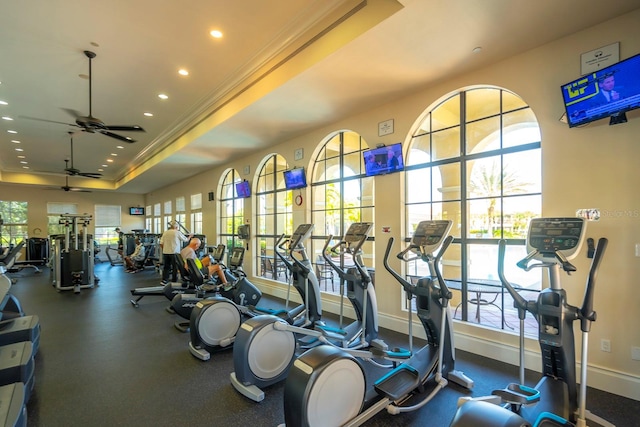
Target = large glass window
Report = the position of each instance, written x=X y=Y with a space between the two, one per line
x=274 y=217
x=13 y=224
x=107 y=218
x=231 y=211
x=54 y=210
x=341 y=195
x=475 y=159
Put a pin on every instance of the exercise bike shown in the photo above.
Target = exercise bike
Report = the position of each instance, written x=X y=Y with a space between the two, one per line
x=172 y=289
x=215 y=321
x=555 y=400
x=327 y=385
x=238 y=288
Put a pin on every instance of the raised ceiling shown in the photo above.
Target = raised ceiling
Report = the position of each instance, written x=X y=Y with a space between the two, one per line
x=282 y=68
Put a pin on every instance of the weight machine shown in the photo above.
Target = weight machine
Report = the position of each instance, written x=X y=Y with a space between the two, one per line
x=72 y=261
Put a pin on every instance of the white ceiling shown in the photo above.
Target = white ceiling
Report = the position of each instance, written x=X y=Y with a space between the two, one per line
x=283 y=67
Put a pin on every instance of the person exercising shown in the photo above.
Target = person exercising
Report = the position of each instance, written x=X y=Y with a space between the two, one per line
x=189 y=252
x=170 y=242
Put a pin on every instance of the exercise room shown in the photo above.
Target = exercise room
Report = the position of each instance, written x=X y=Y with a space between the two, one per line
x=320 y=213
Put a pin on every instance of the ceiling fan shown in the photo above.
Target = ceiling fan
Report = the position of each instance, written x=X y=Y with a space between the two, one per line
x=72 y=171
x=92 y=124
x=66 y=187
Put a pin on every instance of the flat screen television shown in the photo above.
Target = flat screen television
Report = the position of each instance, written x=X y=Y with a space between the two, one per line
x=609 y=92
x=136 y=211
x=295 y=178
x=243 y=189
x=383 y=160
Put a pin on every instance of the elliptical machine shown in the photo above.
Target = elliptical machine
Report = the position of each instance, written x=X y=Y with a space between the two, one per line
x=554 y=401
x=265 y=346
x=327 y=385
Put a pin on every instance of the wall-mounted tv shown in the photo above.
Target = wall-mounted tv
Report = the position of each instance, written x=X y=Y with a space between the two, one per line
x=136 y=211
x=383 y=160
x=609 y=92
x=295 y=178
x=243 y=189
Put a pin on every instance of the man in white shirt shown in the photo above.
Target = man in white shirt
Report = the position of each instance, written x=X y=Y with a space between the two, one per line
x=171 y=244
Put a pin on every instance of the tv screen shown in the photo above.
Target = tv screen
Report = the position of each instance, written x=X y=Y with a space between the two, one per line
x=608 y=92
x=136 y=211
x=383 y=160
x=295 y=178
x=243 y=189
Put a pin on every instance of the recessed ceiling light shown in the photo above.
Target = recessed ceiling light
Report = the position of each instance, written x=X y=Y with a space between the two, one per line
x=105 y=166
x=24 y=162
x=6 y=118
x=148 y=114
x=163 y=96
x=476 y=50
x=25 y=167
x=183 y=72
x=120 y=147
x=3 y=102
x=22 y=157
x=19 y=149
x=101 y=170
x=114 y=154
x=15 y=141
x=110 y=160
x=216 y=34
x=12 y=131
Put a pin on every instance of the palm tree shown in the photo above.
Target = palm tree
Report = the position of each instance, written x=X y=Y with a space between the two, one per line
x=490 y=181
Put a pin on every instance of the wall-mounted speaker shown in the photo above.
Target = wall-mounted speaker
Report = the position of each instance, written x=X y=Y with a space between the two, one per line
x=211 y=196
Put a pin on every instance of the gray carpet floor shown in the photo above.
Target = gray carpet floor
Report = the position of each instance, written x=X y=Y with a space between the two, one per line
x=103 y=362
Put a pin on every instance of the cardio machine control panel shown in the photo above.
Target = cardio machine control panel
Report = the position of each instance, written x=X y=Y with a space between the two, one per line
x=302 y=233
x=237 y=257
x=429 y=234
x=357 y=232
x=551 y=235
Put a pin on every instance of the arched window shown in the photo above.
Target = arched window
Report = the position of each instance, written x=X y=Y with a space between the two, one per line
x=474 y=158
x=231 y=211
x=341 y=195
x=273 y=217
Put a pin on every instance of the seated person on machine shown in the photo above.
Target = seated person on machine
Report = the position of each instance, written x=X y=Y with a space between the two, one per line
x=189 y=252
x=136 y=257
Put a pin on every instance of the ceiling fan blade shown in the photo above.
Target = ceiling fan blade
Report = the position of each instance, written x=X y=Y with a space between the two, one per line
x=49 y=121
x=116 y=136
x=132 y=128
x=95 y=175
x=73 y=113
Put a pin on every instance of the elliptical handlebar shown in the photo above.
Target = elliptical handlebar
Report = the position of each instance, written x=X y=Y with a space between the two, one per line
x=519 y=301
x=404 y=282
x=281 y=244
x=364 y=274
x=444 y=290
x=587 y=314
